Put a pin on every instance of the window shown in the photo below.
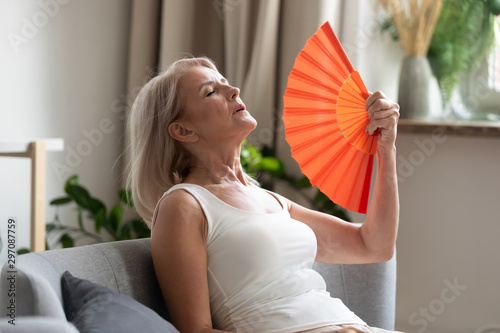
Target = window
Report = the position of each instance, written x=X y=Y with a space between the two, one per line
x=480 y=91
x=494 y=68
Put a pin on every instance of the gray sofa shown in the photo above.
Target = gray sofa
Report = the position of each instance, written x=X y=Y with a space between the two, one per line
x=126 y=266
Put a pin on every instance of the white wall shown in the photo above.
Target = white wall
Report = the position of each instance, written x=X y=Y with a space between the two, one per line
x=448 y=246
x=449 y=232
x=63 y=76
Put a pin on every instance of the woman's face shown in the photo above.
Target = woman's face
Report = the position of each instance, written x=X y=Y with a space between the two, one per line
x=212 y=107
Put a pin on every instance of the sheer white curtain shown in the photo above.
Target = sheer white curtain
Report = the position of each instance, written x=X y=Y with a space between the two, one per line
x=253 y=42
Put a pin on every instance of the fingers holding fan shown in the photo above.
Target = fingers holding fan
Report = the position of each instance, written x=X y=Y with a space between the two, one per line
x=383 y=115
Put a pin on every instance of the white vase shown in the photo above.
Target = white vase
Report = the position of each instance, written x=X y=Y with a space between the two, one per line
x=419 y=95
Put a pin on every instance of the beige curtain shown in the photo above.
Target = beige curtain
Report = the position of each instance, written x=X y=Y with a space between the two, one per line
x=191 y=27
x=251 y=45
x=253 y=42
x=144 y=47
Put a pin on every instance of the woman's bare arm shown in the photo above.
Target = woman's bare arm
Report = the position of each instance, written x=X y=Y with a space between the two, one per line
x=379 y=231
x=179 y=253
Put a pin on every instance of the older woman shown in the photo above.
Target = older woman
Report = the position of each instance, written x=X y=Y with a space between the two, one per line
x=229 y=255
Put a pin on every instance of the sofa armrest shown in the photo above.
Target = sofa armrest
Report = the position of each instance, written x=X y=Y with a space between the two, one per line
x=369 y=290
x=37 y=325
x=32 y=295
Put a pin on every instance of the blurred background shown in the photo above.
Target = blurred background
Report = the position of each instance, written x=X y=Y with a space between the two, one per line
x=70 y=69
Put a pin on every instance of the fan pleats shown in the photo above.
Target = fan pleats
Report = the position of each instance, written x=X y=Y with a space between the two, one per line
x=325 y=121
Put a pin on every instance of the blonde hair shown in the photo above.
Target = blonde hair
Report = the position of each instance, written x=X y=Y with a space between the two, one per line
x=157 y=161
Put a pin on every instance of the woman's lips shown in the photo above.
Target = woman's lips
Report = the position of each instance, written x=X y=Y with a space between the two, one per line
x=240 y=107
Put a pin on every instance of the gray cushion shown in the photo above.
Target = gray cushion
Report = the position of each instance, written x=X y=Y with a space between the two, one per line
x=95 y=308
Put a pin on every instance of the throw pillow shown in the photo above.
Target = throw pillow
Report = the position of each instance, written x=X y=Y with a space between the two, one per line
x=95 y=308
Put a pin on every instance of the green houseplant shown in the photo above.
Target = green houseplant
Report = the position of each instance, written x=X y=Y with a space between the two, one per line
x=90 y=208
x=463 y=36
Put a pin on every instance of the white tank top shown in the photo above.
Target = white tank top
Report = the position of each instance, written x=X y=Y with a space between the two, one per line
x=260 y=274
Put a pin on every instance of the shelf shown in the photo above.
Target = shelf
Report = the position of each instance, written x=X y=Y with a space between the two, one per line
x=35 y=150
x=452 y=127
x=22 y=145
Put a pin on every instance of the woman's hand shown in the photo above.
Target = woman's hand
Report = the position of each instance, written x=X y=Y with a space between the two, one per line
x=383 y=114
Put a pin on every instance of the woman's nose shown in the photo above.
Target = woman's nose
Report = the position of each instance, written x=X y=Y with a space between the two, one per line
x=233 y=93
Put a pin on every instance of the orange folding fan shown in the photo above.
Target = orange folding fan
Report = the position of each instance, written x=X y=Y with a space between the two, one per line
x=325 y=121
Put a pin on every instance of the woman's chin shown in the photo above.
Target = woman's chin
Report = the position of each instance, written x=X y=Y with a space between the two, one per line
x=246 y=121
x=251 y=126
x=254 y=123
x=248 y=118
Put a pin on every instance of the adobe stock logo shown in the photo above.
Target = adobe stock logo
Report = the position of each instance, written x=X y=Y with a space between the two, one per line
x=84 y=148
x=30 y=27
x=437 y=306
x=425 y=148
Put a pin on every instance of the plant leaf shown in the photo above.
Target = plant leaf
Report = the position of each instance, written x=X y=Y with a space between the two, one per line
x=140 y=228
x=23 y=251
x=66 y=241
x=270 y=164
x=96 y=205
x=80 y=195
x=80 y=217
x=115 y=216
x=126 y=197
x=320 y=197
x=274 y=166
x=100 y=220
x=303 y=183
x=60 y=201
x=463 y=36
x=125 y=231
x=494 y=7
x=71 y=181
x=49 y=227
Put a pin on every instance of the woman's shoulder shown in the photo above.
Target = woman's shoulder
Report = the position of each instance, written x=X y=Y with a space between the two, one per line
x=178 y=197
x=177 y=204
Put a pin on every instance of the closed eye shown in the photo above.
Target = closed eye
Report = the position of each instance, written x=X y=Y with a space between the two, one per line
x=210 y=93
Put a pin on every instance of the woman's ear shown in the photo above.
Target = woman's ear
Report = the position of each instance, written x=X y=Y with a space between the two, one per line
x=182 y=133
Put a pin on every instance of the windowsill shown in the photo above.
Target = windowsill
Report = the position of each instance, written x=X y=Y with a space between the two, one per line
x=451 y=127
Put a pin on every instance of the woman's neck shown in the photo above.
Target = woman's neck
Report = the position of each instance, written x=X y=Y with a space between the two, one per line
x=217 y=168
